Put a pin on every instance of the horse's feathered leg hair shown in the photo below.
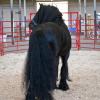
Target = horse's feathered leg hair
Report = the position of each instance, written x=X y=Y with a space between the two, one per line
x=39 y=70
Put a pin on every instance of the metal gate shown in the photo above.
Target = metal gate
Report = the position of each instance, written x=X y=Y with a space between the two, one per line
x=84 y=35
x=90 y=34
x=81 y=38
x=74 y=28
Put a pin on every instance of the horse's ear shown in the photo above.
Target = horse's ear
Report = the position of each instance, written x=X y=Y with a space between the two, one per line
x=41 y=5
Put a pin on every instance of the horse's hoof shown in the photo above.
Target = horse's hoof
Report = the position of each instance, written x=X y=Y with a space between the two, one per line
x=55 y=87
x=63 y=87
x=70 y=80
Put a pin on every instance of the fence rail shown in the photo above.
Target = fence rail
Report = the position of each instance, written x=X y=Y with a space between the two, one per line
x=86 y=38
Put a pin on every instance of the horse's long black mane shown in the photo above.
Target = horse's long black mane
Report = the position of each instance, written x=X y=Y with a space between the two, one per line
x=48 y=13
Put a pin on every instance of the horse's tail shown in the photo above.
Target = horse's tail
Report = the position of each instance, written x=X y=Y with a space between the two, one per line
x=39 y=70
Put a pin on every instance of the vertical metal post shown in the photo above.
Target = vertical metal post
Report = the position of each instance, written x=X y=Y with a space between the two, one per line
x=25 y=16
x=1 y=33
x=1 y=12
x=95 y=23
x=85 y=18
x=95 y=16
x=1 y=15
x=1 y=23
x=71 y=20
x=20 y=19
x=11 y=5
x=79 y=32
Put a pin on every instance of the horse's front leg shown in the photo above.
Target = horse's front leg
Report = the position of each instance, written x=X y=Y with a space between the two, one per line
x=64 y=73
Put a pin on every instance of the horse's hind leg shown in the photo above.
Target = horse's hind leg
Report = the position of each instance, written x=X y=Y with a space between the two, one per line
x=64 y=73
x=57 y=63
x=56 y=71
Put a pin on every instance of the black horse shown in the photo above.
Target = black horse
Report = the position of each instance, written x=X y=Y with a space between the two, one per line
x=49 y=40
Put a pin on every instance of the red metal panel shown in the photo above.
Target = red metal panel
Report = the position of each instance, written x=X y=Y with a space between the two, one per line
x=1 y=39
x=79 y=39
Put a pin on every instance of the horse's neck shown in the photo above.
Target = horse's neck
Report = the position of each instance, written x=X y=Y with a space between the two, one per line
x=62 y=24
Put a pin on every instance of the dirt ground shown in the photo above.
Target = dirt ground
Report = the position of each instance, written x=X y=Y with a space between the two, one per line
x=84 y=69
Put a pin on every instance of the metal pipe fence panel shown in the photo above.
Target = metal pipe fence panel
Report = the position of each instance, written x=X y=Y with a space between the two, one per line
x=81 y=38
